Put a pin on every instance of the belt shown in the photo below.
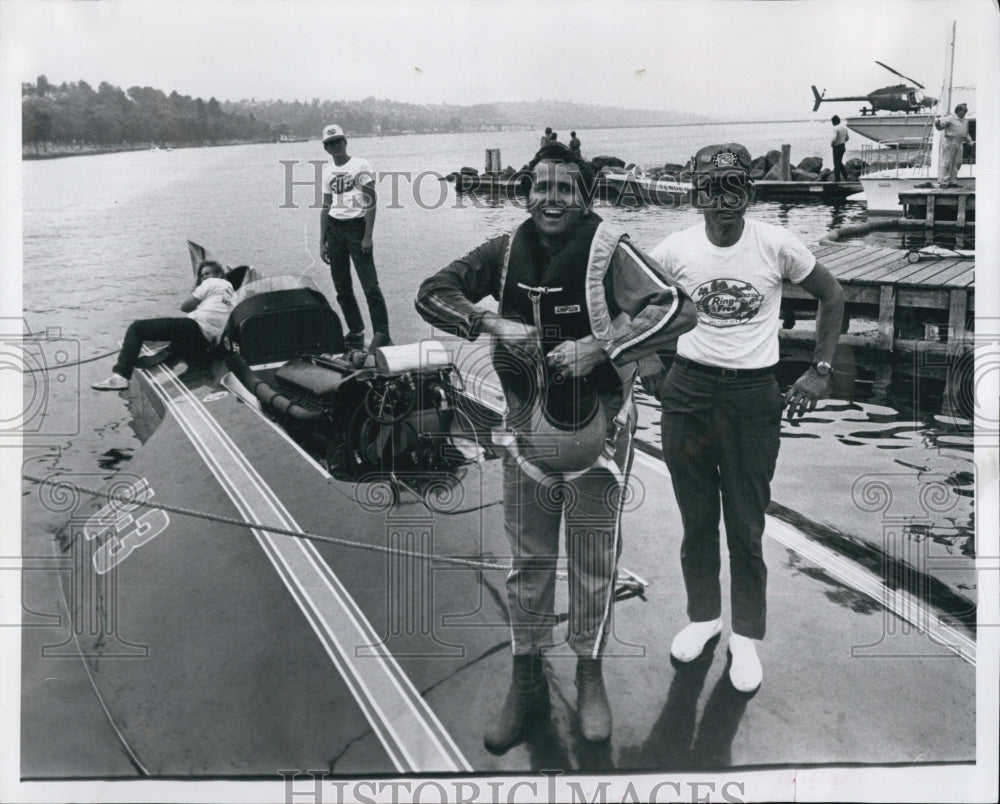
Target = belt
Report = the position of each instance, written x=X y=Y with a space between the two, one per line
x=719 y=371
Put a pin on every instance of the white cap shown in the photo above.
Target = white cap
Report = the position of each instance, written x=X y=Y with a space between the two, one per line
x=332 y=131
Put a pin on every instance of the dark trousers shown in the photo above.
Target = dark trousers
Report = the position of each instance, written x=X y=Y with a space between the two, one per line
x=721 y=439
x=183 y=333
x=839 y=172
x=344 y=245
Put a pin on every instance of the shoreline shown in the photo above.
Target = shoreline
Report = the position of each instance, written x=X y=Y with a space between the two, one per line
x=64 y=151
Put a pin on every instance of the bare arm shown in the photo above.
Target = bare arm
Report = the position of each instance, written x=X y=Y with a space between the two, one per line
x=370 y=198
x=324 y=223
x=811 y=386
x=189 y=304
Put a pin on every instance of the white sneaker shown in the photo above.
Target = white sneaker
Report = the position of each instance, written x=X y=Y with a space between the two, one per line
x=116 y=382
x=745 y=672
x=691 y=640
x=180 y=368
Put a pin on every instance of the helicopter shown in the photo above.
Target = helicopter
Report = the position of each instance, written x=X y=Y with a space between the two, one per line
x=897 y=98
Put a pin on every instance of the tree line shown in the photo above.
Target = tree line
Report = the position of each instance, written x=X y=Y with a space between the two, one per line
x=75 y=114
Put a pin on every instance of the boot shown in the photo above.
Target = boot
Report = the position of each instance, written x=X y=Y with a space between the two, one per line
x=592 y=701
x=527 y=701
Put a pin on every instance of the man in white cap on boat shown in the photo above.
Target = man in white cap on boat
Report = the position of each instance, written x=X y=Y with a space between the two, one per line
x=577 y=305
x=721 y=415
x=955 y=134
x=345 y=235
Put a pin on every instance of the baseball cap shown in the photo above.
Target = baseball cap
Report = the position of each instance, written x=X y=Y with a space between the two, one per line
x=332 y=131
x=725 y=158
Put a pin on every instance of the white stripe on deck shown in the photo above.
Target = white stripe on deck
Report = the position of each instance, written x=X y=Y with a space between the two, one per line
x=410 y=732
x=901 y=603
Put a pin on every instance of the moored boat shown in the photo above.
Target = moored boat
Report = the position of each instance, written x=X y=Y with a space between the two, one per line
x=899 y=129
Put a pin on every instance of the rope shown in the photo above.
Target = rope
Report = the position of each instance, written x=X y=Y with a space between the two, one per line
x=629 y=584
x=67 y=365
x=174 y=509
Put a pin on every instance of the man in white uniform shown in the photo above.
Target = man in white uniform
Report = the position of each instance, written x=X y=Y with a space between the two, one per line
x=955 y=130
x=345 y=235
x=721 y=404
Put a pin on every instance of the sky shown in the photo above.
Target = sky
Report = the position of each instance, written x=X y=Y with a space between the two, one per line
x=726 y=59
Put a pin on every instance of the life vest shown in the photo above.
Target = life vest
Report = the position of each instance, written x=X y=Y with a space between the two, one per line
x=555 y=422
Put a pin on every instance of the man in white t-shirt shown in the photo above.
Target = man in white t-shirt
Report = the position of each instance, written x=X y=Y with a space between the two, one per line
x=207 y=311
x=345 y=235
x=721 y=403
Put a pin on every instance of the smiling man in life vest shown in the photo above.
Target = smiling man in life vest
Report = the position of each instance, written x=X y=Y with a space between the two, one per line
x=578 y=305
x=721 y=404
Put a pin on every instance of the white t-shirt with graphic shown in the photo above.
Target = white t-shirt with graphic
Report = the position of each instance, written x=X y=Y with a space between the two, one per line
x=343 y=184
x=215 y=300
x=737 y=290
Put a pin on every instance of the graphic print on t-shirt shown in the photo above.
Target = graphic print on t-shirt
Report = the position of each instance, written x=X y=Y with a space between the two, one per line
x=341 y=183
x=726 y=302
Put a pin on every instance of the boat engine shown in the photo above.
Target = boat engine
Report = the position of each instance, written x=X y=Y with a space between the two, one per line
x=393 y=412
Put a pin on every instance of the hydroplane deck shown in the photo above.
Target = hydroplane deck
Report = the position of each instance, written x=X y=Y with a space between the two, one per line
x=263 y=651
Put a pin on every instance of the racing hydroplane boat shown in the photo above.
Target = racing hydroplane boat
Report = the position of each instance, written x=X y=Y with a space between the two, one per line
x=304 y=568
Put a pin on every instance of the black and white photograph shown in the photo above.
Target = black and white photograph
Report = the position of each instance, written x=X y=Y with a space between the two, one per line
x=327 y=477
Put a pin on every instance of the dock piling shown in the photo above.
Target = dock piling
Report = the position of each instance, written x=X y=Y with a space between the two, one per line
x=886 y=317
x=786 y=163
x=958 y=305
x=492 y=170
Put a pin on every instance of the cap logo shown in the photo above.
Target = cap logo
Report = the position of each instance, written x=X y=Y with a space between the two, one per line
x=725 y=159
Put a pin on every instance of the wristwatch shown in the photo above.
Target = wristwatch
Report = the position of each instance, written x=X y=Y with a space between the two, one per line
x=822 y=368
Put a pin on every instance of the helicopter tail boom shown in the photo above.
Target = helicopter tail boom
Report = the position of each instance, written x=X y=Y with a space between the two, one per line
x=818 y=98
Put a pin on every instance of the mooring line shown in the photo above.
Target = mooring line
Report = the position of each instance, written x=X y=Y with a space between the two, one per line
x=242 y=523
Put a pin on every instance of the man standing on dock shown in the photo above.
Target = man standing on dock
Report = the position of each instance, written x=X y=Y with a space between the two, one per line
x=721 y=417
x=346 y=222
x=839 y=144
x=578 y=304
x=956 y=134
x=574 y=144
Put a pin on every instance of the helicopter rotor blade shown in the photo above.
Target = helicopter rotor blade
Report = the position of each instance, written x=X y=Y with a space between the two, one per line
x=896 y=72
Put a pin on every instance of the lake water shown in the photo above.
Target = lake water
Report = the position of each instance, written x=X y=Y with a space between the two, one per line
x=104 y=243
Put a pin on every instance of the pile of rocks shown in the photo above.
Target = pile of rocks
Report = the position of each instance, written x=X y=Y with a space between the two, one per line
x=764 y=168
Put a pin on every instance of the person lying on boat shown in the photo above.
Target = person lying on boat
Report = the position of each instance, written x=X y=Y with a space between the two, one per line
x=578 y=304
x=192 y=336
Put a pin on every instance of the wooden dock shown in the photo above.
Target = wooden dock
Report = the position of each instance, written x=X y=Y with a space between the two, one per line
x=940 y=207
x=911 y=293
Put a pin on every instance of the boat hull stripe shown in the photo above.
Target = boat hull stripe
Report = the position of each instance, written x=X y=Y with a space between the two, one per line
x=409 y=730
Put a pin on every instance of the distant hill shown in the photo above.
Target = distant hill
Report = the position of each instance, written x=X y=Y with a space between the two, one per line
x=566 y=115
x=375 y=116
